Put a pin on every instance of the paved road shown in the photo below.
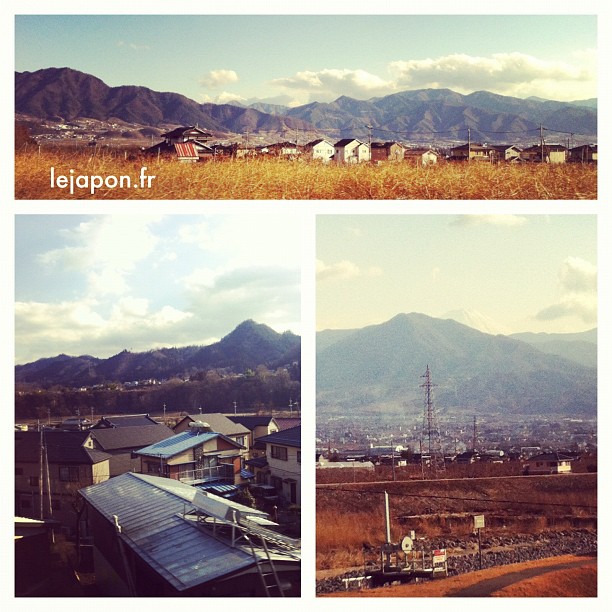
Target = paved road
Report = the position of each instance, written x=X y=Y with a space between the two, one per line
x=487 y=587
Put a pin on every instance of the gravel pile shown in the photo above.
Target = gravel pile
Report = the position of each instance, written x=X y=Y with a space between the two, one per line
x=495 y=551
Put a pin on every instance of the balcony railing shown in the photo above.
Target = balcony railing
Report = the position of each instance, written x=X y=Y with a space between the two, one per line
x=206 y=474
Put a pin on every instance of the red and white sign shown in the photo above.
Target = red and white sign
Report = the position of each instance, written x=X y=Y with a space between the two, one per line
x=439 y=556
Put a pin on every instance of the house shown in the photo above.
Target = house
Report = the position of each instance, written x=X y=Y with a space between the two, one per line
x=509 y=153
x=469 y=456
x=284 y=457
x=221 y=424
x=188 y=133
x=323 y=464
x=121 y=442
x=351 y=151
x=50 y=467
x=320 y=149
x=283 y=149
x=155 y=537
x=196 y=456
x=75 y=424
x=549 y=463
x=553 y=154
x=472 y=151
x=583 y=154
x=386 y=151
x=421 y=156
x=258 y=427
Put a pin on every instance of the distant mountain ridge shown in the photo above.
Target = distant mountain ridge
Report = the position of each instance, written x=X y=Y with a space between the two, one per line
x=382 y=365
x=249 y=345
x=67 y=94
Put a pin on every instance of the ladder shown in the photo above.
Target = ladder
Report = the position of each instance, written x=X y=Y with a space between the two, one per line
x=265 y=568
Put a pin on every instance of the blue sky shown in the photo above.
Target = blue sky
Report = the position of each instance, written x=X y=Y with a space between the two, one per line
x=99 y=284
x=517 y=273
x=295 y=59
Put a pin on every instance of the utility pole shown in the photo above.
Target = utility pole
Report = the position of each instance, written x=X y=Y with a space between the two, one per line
x=469 y=144
x=541 y=144
x=474 y=438
x=370 y=140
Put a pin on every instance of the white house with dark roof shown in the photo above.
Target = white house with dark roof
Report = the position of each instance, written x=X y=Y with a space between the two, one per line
x=284 y=457
x=351 y=151
x=550 y=463
x=320 y=149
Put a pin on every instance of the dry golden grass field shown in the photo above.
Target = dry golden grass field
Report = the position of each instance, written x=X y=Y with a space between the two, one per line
x=432 y=508
x=273 y=179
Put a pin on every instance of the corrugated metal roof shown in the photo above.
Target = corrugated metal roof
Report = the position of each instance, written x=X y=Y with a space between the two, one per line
x=186 y=150
x=177 y=444
x=149 y=513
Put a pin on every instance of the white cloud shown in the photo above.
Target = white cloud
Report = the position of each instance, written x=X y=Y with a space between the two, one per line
x=107 y=250
x=578 y=293
x=514 y=74
x=333 y=82
x=495 y=220
x=224 y=97
x=218 y=78
x=344 y=270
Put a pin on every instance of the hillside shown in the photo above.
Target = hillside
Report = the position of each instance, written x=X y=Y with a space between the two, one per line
x=66 y=94
x=383 y=365
x=580 y=347
x=249 y=345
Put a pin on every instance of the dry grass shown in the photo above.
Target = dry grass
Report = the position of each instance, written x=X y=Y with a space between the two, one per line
x=350 y=515
x=279 y=179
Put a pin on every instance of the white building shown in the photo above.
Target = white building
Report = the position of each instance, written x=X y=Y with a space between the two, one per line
x=351 y=151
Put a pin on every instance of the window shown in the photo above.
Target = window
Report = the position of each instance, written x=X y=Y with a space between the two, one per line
x=241 y=440
x=69 y=474
x=279 y=452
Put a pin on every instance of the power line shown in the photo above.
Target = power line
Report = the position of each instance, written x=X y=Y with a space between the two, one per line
x=456 y=498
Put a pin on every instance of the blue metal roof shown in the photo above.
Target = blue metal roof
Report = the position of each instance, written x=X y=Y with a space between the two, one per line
x=177 y=444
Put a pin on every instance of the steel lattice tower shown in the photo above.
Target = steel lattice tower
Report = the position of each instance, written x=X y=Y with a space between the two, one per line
x=431 y=430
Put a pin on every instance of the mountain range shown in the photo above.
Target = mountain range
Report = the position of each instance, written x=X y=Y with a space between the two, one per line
x=249 y=345
x=66 y=94
x=381 y=366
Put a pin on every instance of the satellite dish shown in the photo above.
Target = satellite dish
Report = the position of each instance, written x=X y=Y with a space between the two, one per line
x=406 y=544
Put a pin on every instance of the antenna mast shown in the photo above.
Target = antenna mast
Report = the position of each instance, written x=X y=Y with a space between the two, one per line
x=431 y=429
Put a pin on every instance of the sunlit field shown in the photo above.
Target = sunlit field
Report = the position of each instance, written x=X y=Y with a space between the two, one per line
x=97 y=171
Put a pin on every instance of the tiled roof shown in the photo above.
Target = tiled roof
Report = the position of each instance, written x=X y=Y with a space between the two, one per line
x=125 y=420
x=286 y=437
x=220 y=423
x=250 y=422
x=287 y=422
x=130 y=437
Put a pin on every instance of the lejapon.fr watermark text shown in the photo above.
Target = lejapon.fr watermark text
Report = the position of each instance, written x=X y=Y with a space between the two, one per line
x=94 y=182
